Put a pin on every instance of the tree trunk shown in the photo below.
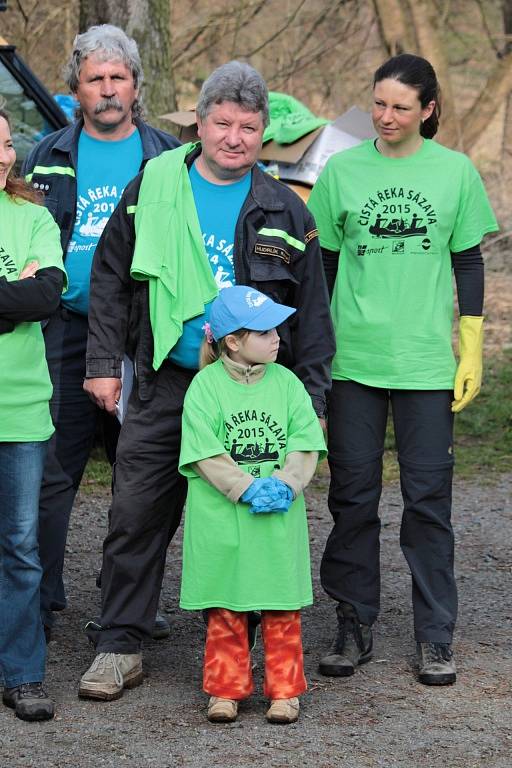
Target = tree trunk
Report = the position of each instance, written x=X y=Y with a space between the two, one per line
x=496 y=90
x=148 y=22
x=395 y=33
x=483 y=109
x=424 y=15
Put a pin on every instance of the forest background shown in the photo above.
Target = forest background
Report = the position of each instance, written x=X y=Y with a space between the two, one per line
x=324 y=52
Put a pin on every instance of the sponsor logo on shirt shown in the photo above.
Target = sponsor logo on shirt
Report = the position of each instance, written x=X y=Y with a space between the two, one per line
x=363 y=249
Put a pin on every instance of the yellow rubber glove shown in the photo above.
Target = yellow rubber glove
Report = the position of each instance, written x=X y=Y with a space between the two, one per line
x=468 y=377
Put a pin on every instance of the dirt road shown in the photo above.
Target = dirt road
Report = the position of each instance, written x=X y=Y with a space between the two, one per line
x=379 y=717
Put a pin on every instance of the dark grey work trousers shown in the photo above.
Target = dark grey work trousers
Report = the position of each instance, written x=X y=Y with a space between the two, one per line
x=350 y=568
x=75 y=418
x=148 y=498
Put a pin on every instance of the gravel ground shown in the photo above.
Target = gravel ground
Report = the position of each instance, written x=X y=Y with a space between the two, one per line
x=379 y=717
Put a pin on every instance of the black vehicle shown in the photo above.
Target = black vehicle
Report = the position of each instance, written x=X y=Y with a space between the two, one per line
x=32 y=109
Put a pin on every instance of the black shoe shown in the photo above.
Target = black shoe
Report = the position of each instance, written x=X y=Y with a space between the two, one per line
x=30 y=701
x=161 y=628
x=436 y=664
x=352 y=646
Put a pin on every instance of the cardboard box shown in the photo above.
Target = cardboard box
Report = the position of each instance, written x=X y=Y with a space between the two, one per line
x=185 y=121
x=346 y=131
x=271 y=151
x=303 y=160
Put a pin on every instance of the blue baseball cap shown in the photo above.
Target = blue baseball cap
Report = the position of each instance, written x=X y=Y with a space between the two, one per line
x=244 y=307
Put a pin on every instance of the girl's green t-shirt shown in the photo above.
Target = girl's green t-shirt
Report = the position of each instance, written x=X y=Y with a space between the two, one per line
x=232 y=558
x=394 y=222
x=27 y=233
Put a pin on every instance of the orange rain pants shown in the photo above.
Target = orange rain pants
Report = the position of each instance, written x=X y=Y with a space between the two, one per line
x=227 y=670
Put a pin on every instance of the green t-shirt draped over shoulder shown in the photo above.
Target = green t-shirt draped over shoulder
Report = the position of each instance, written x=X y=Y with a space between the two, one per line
x=232 y=558
x=394 y=222
x=27 y=233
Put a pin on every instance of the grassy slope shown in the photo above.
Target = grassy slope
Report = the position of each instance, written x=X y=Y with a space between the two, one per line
x=483 y=435
x=483 y=430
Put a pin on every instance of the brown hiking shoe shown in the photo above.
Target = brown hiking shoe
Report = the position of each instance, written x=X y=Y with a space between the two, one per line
x=283 y=711
x=352 y=646
x=110 y=674
x=222 y=710
x=436 y=664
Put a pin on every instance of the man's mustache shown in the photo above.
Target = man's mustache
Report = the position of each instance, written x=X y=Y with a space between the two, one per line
x=112 y=102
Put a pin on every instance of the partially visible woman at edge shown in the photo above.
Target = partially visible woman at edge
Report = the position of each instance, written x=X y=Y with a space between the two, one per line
x=31 y=280
x=395 y=215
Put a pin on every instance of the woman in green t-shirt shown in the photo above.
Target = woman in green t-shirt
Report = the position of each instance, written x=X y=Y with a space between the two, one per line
x=31 y=279
x=394 y=216
x=250 y=445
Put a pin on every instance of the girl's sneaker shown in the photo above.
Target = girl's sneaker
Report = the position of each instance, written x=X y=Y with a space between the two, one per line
x=283 y=711
x=222 y=710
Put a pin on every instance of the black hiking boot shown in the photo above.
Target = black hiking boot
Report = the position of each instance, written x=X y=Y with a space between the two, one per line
x=30 y=701
x=352 y=646
x=436 y=664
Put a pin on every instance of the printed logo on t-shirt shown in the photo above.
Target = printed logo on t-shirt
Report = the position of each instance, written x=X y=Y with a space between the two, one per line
x=7 y=264
x=220 y=256
x=93 y=210
x=254 y=437
x=398 y=213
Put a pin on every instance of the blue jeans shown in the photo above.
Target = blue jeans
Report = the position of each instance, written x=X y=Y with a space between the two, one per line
x=22 y=642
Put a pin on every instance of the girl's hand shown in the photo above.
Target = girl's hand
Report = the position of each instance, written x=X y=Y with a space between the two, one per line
x=29 y=270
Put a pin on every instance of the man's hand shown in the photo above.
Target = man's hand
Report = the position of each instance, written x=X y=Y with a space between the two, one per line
x=30 y=270
x=104 y=392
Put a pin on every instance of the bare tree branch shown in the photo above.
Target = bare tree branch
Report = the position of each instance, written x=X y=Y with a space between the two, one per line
x=485 y=24
x=276 y=34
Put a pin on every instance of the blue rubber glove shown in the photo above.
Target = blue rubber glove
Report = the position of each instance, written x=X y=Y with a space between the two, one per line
x=257 y=487
x=273 y=497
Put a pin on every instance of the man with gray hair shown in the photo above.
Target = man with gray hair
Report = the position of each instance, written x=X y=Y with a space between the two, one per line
x=82 y=171
x=197 y=220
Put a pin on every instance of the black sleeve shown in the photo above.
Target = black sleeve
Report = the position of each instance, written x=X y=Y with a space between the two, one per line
x=31 y=299
x=330 y=260
x=468 y=267
x=313 y=335
x=111 y=290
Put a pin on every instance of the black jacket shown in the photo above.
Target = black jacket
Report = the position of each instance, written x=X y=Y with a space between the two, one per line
x=29 y=300
x=51 y=168
x=288 y=269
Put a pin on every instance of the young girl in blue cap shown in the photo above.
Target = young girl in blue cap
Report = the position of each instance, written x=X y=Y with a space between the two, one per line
x=251 y=442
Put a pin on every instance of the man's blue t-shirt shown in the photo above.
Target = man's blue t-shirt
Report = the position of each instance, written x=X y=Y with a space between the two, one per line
x=218 y=208
x=104 y=169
